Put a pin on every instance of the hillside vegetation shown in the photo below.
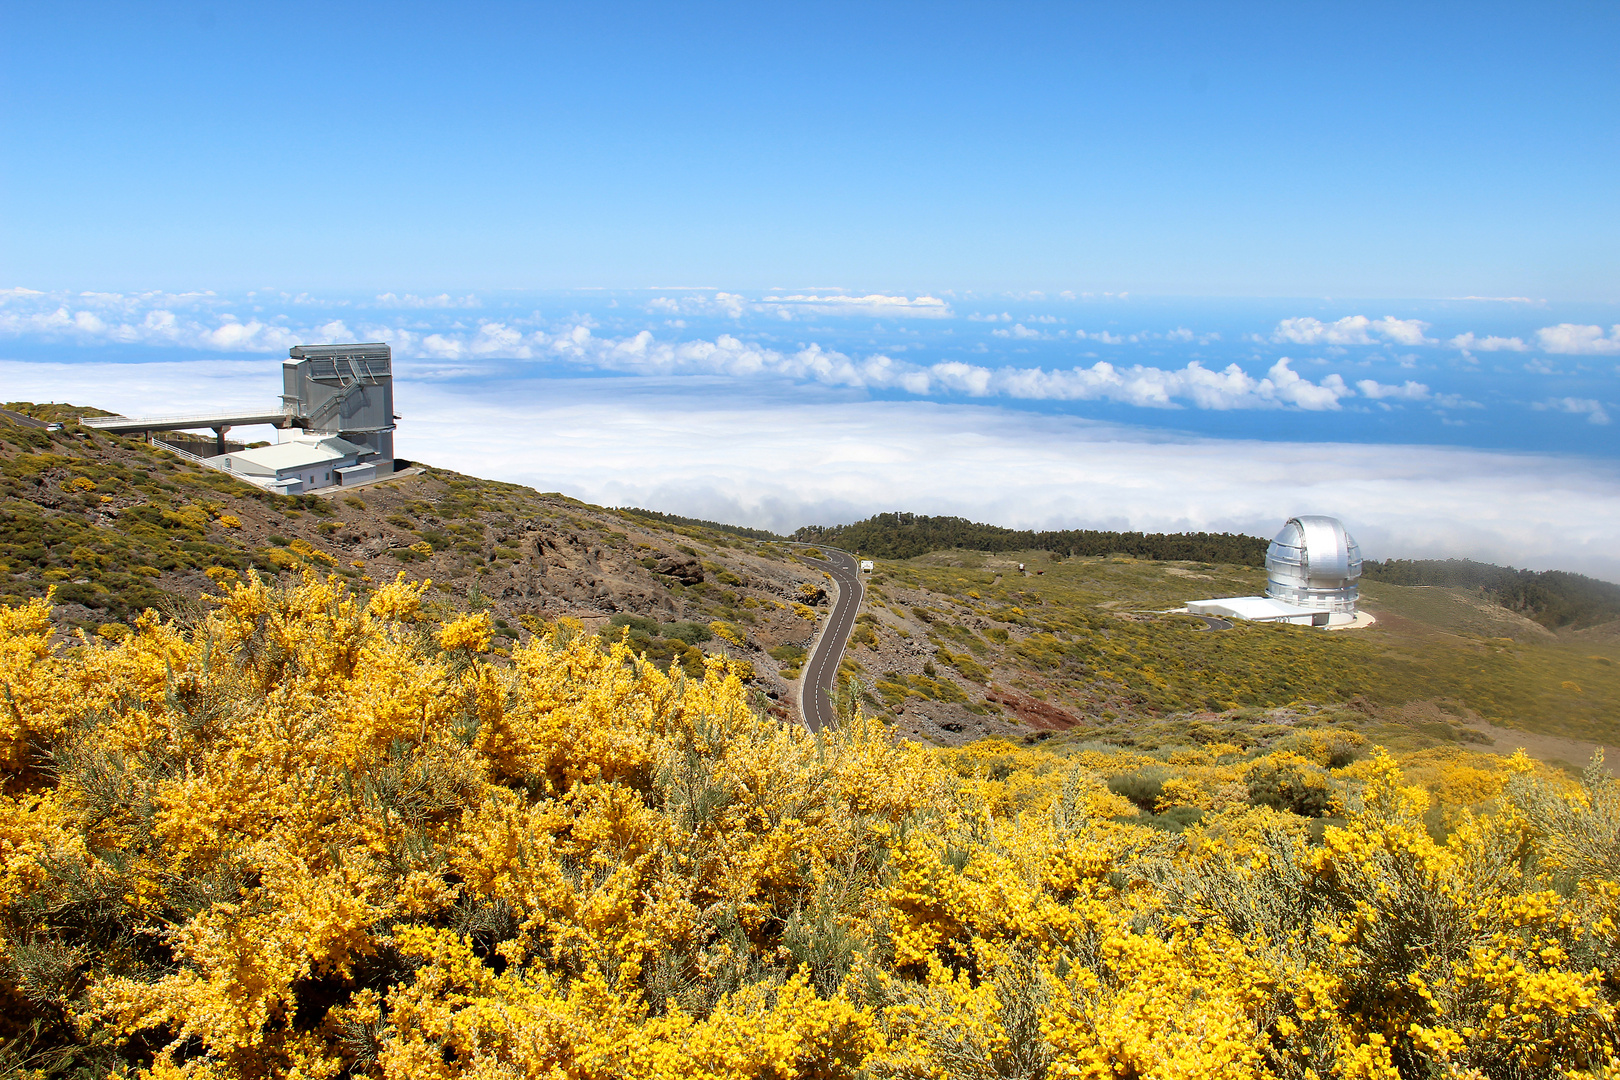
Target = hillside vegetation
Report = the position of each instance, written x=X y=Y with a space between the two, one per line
x=1553 y=598
x=962 y=638
x=442 y=777
x=115 y=526
x=300 y=834
x=905 y=536
x=952 y=646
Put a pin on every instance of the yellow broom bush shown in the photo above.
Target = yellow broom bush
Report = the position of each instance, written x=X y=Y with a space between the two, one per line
x=318 y=836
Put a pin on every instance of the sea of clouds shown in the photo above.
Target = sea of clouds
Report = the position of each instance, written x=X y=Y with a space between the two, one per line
x=801 y=406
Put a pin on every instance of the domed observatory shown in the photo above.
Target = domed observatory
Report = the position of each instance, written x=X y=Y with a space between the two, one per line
x=1314 y=563
x=1313 y=568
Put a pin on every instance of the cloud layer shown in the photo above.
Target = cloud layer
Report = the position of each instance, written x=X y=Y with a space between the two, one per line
x=997 y=362
x=798 y=305
x=1576 y=339
x=1352 y=330
x=769 y=461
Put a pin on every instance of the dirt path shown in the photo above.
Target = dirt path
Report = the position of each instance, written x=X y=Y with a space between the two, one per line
x=1571 y=754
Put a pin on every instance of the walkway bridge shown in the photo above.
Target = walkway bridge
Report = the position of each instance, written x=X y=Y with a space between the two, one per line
x=220 y=422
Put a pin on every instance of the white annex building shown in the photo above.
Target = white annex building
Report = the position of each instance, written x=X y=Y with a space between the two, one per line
x=1312 y=572
x=303 y=463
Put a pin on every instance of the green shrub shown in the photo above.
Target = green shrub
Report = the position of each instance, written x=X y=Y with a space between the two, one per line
x=1174 y=820
x=636 y=623
x=1290 y=785
x=1142 y=788
x=690 y=632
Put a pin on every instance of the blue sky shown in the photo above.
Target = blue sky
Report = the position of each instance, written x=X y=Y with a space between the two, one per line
x=1152 y=266
x=1368 y=150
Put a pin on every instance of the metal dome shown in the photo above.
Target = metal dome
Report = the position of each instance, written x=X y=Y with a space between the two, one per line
x=1314 y=563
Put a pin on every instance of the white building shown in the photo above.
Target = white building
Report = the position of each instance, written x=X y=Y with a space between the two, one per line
x=1313 y=569
x=304 y=463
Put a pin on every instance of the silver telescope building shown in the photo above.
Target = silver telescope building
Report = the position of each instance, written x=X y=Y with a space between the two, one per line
x=1313 y=570
x=1314 y=563
x=344 y=390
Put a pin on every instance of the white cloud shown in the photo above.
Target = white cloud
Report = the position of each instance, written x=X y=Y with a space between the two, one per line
x=443 y=300
x=872 y=304
x=721 y=304
x=1230 y=388
x=1470 y=343
x=187 y=320
x=728 y=355
x=784 y=460
x=1588 y=407
x=1577 y=339
x=157 y=388
x=1407 y=391
x=774 y=465
x=1017 y=330
x=1352 y=330
x=734 y=306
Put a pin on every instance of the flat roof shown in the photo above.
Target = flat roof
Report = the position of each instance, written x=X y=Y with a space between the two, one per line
x=299 y=453
x=1253 y=608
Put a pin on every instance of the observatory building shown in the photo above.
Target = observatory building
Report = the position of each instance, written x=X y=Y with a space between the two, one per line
x=1314 y=563
x=340 y=397
x=344 y=390
x=1313 y=567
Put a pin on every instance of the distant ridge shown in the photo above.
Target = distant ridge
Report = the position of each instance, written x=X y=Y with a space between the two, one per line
x=1553 y=598
x=904 y=536
x=700 y=523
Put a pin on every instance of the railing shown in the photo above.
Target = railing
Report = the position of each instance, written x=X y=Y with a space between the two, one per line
x=158 y=423
x=189 y=456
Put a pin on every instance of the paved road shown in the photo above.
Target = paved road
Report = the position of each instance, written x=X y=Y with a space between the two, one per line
x=25 y=421
x=1211 y=623
x=821 y=669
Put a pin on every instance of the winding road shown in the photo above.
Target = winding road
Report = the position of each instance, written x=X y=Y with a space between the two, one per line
x=821 y=669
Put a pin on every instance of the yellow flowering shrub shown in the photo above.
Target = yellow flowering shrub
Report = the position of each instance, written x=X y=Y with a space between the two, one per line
x=728 y=632
x=309 y=552
x=314 y=835
x=468 y=632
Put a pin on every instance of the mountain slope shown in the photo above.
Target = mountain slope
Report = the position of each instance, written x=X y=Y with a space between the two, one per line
x=952 y=645
x=116 y=526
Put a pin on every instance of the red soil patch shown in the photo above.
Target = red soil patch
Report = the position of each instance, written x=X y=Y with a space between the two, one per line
x=1033 y=711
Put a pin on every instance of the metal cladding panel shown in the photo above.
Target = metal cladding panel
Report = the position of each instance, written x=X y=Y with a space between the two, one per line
x=1315 y=563
x=342 y=388
x=1327 y=551
x=369 y=350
